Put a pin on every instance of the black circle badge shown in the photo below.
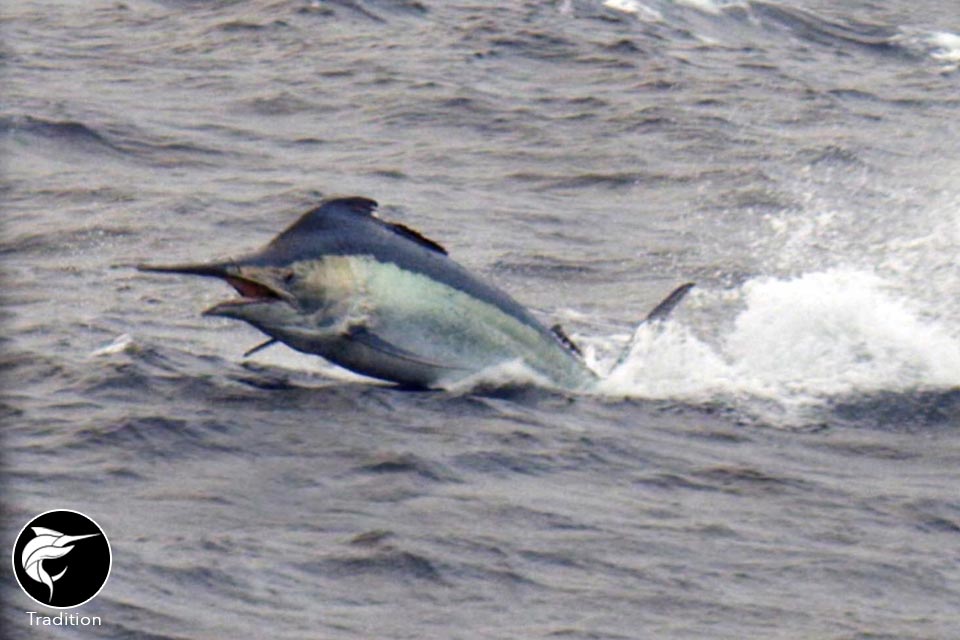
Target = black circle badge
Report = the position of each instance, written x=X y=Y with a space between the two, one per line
x=62 y=559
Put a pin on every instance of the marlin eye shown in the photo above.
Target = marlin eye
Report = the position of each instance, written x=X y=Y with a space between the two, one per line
x=288 y=277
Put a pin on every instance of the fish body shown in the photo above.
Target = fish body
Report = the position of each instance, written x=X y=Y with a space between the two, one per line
x=380 y=299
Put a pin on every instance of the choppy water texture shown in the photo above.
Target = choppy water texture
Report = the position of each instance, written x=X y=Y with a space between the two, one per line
x=779 y=461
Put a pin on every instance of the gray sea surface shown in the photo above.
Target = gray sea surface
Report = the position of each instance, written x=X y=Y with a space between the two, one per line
x=780 y=460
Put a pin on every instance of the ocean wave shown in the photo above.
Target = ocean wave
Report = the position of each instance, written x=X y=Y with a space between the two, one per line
x=385 y=564
x=85 y=139
x=775 y=19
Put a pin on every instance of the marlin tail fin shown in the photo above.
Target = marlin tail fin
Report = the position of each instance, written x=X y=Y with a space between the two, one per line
x=659 y=314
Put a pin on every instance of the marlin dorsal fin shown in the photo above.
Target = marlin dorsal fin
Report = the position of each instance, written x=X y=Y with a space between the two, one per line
x=326 y=215
x=318 y=216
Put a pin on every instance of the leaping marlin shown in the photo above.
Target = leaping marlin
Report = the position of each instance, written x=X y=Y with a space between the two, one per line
x=380 y=299
x=47 y=544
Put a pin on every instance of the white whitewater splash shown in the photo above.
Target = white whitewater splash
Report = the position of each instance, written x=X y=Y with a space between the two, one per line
x=638 y=9
x=946 y=46
x=797 y=344
x=122 y=343
x=941 y=46
x=860 y=300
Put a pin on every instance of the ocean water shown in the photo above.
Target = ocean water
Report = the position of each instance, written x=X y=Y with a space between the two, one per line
x=779 y=460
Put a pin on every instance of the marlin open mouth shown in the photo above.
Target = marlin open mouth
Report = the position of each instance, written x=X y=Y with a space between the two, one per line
x=251 y=291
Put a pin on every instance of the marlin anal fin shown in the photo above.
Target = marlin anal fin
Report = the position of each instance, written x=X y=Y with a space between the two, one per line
x=567 y=341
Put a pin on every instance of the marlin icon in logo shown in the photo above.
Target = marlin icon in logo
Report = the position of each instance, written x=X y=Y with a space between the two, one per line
x=47 y=545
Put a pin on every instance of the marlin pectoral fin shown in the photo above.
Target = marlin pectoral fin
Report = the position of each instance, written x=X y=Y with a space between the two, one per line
x=375 y=342
x=662 y=310
x=260 y=347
